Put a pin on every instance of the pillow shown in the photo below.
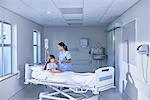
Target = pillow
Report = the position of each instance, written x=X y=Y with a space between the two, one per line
x=37 y=68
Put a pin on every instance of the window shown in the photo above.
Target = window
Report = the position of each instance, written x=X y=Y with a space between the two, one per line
x=5 y=49
x=36 y=47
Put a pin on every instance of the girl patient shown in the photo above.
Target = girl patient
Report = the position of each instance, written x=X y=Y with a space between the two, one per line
x=51 y=65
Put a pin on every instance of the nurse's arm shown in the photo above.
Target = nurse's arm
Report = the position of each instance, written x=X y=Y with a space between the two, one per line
x=56 y=61
x=67 y=61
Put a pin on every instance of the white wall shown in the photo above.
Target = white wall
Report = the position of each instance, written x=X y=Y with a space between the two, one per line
x=71 y=36
x=141 y=12
x=24 y=53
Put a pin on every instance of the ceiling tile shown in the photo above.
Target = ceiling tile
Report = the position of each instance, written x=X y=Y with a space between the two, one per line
x=52 y=18
x=117 y=8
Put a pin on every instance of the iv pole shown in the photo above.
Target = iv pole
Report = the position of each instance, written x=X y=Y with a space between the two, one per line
x=46 y=49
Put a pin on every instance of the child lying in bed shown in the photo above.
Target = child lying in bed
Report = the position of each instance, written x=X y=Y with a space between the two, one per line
x=51 y=65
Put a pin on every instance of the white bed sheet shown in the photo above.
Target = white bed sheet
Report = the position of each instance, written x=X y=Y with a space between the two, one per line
x=84 y=79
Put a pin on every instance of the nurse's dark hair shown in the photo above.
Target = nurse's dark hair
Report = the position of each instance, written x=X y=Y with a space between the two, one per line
x=63 y=45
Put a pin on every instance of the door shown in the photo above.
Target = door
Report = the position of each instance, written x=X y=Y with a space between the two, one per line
x=118 y=57
x=110 y=48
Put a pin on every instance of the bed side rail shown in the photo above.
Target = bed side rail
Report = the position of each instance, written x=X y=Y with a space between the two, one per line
x=104 y=78
x=27 y=73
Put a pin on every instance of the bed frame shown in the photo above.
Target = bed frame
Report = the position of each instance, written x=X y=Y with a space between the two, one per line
x=104 y=81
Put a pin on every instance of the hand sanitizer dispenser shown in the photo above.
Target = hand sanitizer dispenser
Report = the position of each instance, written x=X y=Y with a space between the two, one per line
x=143 y=49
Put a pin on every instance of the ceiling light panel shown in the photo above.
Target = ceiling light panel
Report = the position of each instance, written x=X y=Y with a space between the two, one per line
x=73 y=16
x=69 y=3
x=74 y=19
x=71 y=10
x=75 y=24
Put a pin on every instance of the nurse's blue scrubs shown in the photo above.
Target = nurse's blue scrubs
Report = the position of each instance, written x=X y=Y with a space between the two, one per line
x=64 y=66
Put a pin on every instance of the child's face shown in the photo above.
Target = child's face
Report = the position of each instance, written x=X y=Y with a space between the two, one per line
x=52 y=60
x=49 y=58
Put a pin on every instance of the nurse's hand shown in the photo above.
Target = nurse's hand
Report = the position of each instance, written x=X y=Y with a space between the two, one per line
x=60 y=61
x=57 y=61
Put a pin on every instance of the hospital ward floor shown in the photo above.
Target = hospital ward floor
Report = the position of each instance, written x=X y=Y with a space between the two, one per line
x=31 y=92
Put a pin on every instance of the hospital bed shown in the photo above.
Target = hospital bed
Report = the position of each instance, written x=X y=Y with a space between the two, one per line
x=63 y=83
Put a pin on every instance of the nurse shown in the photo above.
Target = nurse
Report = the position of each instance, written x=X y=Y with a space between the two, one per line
x=64 y=58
